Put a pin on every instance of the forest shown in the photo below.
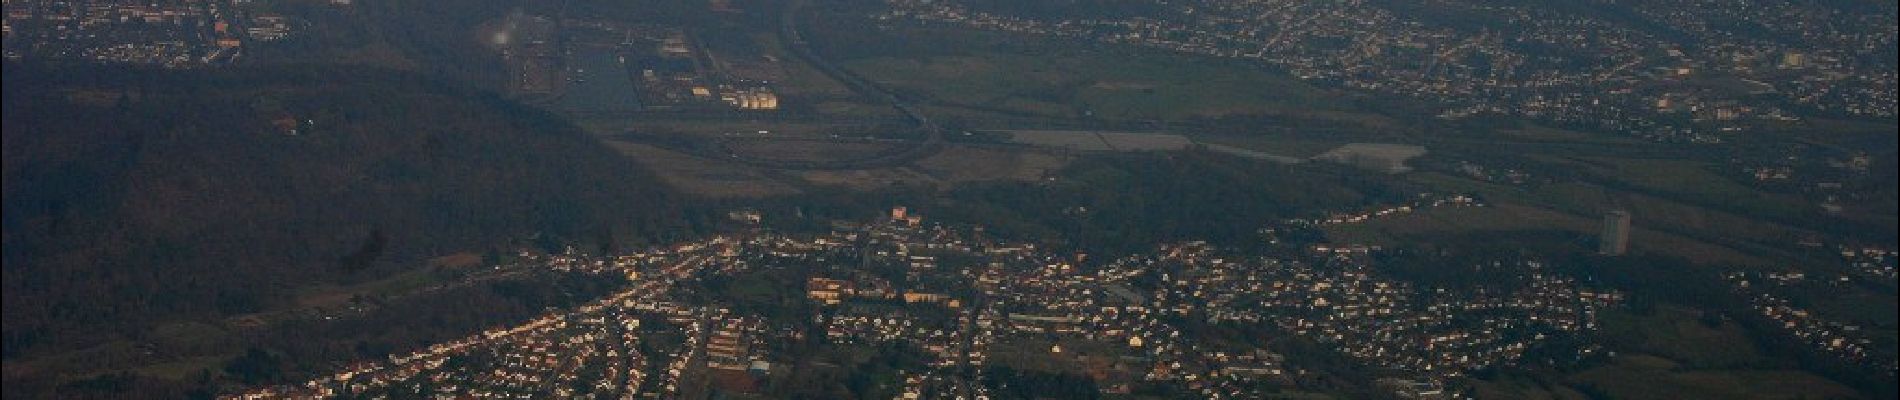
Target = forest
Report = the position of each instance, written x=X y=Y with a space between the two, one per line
x=138 y=197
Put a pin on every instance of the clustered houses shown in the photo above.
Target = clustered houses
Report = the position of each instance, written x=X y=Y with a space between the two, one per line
x=1871 y=261
x=1830 y=179
x=1564 y=68
x=917 y=311
x=965 y=301
x=593 y=349
x=1422 y=202
x=1495 y=174
x=1383 y=322
x=170 y=33
x=1846 y=341
x=949 y=341
x=1057 y=299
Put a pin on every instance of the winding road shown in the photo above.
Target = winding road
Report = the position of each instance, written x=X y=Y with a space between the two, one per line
x=933 y=134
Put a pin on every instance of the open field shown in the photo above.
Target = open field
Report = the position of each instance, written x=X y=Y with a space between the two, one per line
x=845 y=108
x=810 y=150
x=1520 y=388
x=1247 y=153
x=1276 y=144
x=866 y=179
x=971 y=163
x=701 y=176
x=718 y=178
x=1761 y=242
x=1104 y=85
x=801 y=80
x=1380 y=157
x=1069 y=140
x=750 y=129
x=1100 y=140
x=1110 y=141
x=1542 y=134
x=1682 y=190
x=1649 y=377
x=953 y=166
x=1129 y=141
x=1716 y=226
x=332 y=295
x=1678 y=334
x=1511 y=217
x=1695 y=179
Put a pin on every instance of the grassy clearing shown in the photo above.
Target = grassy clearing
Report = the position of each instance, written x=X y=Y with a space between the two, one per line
x=187 y=368
x=1428 y=224
x=801 y=80
x=333 y=295
x=1276 y=145
x=1542 y=134
x=807 y=150
x=704 y=177
x=969 y=164
x=1082 y=84
x=1521 y=388
x=609 y=127
x=1650 y=377
x=1692 y=231
x=852 y=109
x=1697 y=180
x=1677 y=334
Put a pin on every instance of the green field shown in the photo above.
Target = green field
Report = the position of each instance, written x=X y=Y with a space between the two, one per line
x=1649 y=377
x=1101 y=84
x=1873 y=310
x=1678 y=334
x=1695 y=179
x=1301 y=147
x=330 y=295
x=1722 y=236
x=1436 y=224
x=1542 y=134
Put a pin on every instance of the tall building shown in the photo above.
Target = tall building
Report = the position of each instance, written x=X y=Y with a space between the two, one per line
x=1615 y=240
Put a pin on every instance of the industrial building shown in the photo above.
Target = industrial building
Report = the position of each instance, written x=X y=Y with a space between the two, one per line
x=1615 y=240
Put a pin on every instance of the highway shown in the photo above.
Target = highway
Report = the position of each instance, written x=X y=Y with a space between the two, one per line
x=933 y=134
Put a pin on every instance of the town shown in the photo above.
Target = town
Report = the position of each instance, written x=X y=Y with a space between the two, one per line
x=171 y=34
x=1699 y=81
x=950 y=199
x=970 y=307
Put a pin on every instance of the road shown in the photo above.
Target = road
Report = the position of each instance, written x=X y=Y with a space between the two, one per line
x=933 y=134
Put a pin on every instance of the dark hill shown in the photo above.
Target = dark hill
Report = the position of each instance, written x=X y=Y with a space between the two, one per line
x=134 y=197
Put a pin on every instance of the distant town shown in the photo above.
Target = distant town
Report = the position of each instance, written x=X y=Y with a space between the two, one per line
x=1709 y=78
x=950 y=199
x=962 y=298
x=169 y=33
x=1703 y=82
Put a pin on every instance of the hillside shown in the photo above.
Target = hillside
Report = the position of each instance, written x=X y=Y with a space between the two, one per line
x=134 y=198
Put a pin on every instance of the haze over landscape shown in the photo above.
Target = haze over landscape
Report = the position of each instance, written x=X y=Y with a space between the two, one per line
x=950 y=199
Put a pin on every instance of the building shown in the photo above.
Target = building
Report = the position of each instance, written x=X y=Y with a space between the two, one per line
x=1793 y=59
x=829 y=291
x=1615 y=240
x=750 y=99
